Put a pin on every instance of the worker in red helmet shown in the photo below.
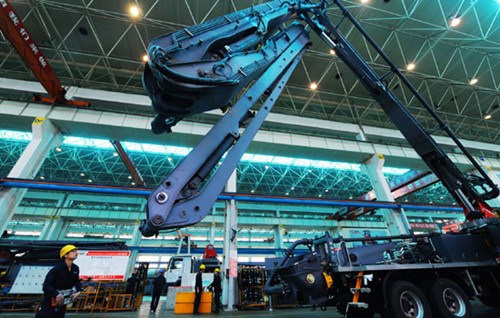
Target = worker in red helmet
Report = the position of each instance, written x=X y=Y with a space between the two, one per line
x=61 y=286
x=198 y=289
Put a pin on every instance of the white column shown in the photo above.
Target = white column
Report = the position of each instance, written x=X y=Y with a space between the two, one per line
x=230 y=283
x=45 y=137
x=57 y=228
x=116 y=235
x=397 y=223
x=279 y=240
x=212 y=233
x=46 y=227
x=134 y=241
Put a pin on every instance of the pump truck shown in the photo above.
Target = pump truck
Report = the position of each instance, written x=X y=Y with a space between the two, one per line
x=232 y=63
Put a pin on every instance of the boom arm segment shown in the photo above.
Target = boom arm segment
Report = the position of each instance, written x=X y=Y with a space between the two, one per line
x=462 y=187
x=205 y=66
x=178 y=201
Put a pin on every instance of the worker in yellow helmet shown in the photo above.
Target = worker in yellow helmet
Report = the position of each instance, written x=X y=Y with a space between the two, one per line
x=198 y=289
x=3 y=277
x=216 y=286
x=61 y=286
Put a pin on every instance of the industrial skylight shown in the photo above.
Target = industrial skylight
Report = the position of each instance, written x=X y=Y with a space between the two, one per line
x=183 y=151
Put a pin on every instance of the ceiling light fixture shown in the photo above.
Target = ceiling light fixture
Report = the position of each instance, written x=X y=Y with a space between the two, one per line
x=410 y=66
x=332 y=52
x=473 y=81
x=58 y=149
x=487 y=116
x=134 y=11
x=145 y=58
x=365 y=1
x=455 y=21
x=313 y=86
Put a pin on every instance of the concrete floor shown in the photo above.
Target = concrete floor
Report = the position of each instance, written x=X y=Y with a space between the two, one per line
x=479 y=310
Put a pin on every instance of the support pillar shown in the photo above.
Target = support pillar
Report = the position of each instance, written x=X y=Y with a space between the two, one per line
x=279 y=240
x=212 y=233
x=46 y=227
x=56 y=229
x=230 y=285
x=116 y=236
x=396 y=220
x=134 y=241
x=45 y=137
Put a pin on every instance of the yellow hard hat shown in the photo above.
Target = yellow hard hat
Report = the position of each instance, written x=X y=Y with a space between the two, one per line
x=217 y=270
x=3 y=273
x=66 y=249
x=202 y=266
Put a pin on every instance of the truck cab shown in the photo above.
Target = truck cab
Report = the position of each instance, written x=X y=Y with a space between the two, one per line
x=179 y=266
x=182 y=269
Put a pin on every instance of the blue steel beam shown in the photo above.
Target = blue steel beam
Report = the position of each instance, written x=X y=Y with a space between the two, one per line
x=74 y=187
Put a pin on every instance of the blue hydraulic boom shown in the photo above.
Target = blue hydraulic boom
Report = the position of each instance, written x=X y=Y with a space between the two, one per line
x=208 y=66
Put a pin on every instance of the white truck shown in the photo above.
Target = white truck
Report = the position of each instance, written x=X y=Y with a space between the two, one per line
x=182 y=270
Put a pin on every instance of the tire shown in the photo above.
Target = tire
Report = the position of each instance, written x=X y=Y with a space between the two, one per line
x=490 y=301
x=448 y=300
x=407 y=301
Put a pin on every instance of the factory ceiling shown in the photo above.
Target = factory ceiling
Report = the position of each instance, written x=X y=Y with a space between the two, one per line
x=99 y=44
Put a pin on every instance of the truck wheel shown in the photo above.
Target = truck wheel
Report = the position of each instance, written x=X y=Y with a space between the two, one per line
x=449 y=300
x=407 y=301
x=490 y=301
